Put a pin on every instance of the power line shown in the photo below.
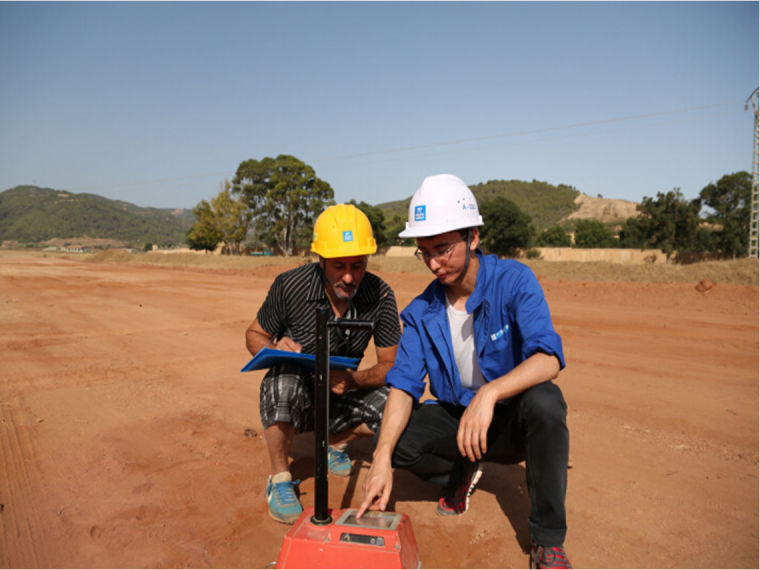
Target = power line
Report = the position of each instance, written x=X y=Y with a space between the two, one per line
x=523 y=133
x=523 y=142
x=428 y=146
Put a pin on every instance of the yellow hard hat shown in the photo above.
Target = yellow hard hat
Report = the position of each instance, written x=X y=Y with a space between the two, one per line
x=343 y=231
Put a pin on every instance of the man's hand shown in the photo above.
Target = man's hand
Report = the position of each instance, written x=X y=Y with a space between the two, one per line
x=257 y=338
x=377 y=487
x=341 y=381
x=288 y=344
x=472 y=436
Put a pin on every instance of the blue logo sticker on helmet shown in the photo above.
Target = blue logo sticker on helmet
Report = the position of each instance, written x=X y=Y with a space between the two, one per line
x=348 y=235
x=419 y=213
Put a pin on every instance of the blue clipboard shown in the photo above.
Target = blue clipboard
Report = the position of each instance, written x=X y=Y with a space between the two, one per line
x=268 y=357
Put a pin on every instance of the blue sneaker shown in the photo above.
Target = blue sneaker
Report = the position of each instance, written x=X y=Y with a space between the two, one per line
x=338 y=462
x=282 y=500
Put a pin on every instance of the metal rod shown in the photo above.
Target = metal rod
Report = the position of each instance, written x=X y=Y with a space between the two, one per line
x=321 y=418
x=321 y=514
x=351 y=324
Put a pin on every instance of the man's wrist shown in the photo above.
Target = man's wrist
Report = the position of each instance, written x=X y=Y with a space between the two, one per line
x=382 y=453
x=490 y=393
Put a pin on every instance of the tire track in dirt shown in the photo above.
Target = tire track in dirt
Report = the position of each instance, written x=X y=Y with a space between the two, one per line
x=19 y=520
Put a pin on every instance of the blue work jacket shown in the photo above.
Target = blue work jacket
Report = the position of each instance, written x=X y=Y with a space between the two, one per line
x=511 y=323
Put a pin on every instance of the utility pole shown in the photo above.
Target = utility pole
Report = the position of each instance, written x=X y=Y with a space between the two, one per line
x=753 y=98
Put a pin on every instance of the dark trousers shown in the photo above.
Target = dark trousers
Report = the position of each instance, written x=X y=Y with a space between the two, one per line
x=531 y=427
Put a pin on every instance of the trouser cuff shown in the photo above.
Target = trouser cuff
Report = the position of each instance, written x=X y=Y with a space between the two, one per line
x=547 y=537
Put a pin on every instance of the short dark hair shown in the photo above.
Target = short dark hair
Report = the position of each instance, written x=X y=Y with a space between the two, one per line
x=463 y=231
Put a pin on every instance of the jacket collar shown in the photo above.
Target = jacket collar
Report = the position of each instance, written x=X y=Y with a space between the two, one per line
x=477 y=296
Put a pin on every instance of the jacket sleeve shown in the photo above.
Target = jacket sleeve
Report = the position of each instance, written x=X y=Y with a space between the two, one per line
x=531 y=313
x=408 y=371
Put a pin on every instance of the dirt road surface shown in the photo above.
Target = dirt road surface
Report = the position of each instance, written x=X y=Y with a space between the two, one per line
x=129 y=438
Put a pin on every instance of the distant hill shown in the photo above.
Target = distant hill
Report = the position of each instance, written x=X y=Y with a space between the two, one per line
x=545 y=203
x=609 y=211
x=29 y=214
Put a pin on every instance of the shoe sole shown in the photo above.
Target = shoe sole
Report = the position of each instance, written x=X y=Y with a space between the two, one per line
x=289 y=522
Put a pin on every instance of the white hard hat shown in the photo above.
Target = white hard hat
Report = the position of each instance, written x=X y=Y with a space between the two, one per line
x=442 y=204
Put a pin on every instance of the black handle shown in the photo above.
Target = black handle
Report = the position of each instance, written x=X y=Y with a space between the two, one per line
x=322 y=407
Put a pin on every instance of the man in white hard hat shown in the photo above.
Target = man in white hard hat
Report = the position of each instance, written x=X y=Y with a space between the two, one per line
x=483 y=335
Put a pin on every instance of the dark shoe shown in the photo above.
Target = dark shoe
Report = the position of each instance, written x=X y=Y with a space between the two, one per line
x=548 y=557
x=456 y=494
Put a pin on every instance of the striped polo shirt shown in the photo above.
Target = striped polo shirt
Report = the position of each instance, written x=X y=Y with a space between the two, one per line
x=292 y=300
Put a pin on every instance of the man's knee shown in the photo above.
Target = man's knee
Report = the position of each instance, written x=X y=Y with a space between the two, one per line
x=406 y=453
x=544 y=403
x=281 y=387
x=283 y=398
x=431 y=429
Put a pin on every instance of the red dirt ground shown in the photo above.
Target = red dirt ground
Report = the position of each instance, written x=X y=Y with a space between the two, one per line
x=129 y=438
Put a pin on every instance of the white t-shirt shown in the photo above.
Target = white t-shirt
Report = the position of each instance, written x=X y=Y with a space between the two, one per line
x=463 y=337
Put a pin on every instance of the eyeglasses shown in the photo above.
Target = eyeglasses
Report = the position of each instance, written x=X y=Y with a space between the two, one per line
x=439 y=254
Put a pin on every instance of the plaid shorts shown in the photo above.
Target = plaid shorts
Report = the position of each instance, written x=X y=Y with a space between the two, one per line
x=287 y=395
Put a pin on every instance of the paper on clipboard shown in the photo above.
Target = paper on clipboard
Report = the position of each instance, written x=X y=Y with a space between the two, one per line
x=268 y=357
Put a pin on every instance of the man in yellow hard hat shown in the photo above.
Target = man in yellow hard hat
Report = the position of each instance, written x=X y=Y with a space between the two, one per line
x=343 y=241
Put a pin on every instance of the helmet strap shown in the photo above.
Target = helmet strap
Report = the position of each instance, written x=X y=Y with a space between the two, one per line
x=467 y=252
x=466 y=256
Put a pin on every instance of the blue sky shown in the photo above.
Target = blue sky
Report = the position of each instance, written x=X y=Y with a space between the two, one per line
x=158 y=103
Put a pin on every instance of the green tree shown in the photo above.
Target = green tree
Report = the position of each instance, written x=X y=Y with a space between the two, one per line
x=204 y=233
x=707 y=239
x=225 y=219
x=284 y=196
x=593 y=234
x=729 y=200
x=554 y=236
x=395 y=227
x=633 y=233
x=670 y=221
x=506 y=228
x=376 y=220
x=233 y=218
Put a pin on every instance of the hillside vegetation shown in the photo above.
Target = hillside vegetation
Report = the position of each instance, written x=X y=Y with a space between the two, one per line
x=546 y=204
x=30 y=214
x=33 y=215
